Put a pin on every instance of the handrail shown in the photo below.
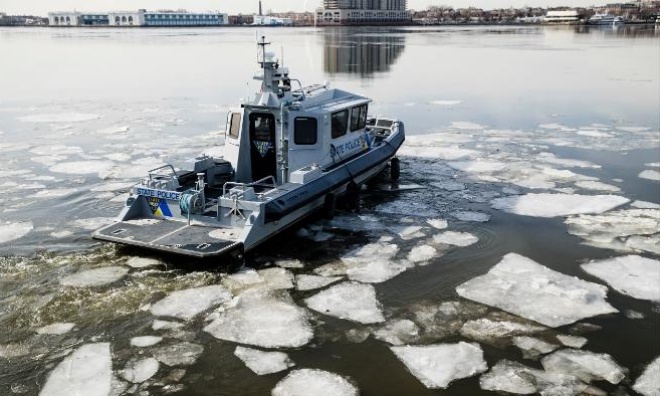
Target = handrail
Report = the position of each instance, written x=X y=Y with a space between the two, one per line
x=257 y=183
x=162 y=167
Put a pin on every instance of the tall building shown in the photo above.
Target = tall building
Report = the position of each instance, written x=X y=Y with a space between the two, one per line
x=363 y=12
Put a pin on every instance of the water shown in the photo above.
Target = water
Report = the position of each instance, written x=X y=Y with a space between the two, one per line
x=490 y=112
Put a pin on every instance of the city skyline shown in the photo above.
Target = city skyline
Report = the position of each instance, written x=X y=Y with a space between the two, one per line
x=42 y=7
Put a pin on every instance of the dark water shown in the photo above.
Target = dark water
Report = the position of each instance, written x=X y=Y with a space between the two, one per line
x=83 y=113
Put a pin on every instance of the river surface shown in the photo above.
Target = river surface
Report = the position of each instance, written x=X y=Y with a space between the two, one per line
x=522 y=143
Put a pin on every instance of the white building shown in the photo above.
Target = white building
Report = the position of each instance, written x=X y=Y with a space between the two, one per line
x=266 y=20
x=64 y=18
x=126 y=18
x=562 y=17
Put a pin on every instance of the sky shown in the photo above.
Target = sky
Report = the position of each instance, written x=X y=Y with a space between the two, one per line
x=42 y=7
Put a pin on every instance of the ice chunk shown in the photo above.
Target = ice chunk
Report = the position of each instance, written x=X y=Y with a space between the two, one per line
x=438 y=365
x=277 y=278
x=446 y=102
x=478 y=166
x=349 y=300
x=263 y=363
x=82 y=167
x=373 y=263
x=650 y=174
x=56 y=328
x=585 y=365
x=311 y=282
x=268 y=319
x=290 y=263
x=141 y=370
x=87 y=371
x=648 y=384
x=645 y=205
x=60 y=117
x=306 y=382
x=513 y=377
x=635 y=276
x=94 y=277
x=528 y=289
x=421 y=253
x=12 y=231
x=409 y=232
x=165 y=325
x=554 y=205
x=485 y=329
x=398 y=332
x=142 y=262
x=467 y=125
x=440 y=224
x=186 y=304
x=145 y=341
x=433 y=152
x=572 y=341
x=456 y=238
x=54 y=193
x=183 y=354
x=533 y=347
x=595 y=185
x=471 y=216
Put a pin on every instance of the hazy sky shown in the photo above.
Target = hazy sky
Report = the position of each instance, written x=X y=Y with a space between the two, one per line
x=41 y=7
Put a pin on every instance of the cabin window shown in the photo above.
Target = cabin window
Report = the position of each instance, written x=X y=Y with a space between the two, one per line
x=305 y=130
x=339 y=123
x=358 y=117
x=262 y=126
x=235 y=125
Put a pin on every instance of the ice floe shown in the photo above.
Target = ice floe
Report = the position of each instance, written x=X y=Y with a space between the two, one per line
x=94 y=277
x=421 y=253
x=645 y=205
x=54 y=193
x=523 y=287
x=12 y=231
x=585 y=365
x=533 y=347
x=59 y=117
x=56 y=328
x=478 y=166
x=486 y=330
x=112 y=187
x=87 y=371
x=635 y=276
x=311 y=282
x=165 y=325
x=143 y=262
x=56 y=150
x=263 y=363
x=141 y=370
x=572 y=341
x=145 y=341
x=267 y=279
x=306 y=382
x=373 y=263
x=648 y=384
x=268 y=319
x=552 y=159
x=349 y=300
x=448 y=102
x=597 y=186
x=290 y=263
x=398 y=332
x=650 y=174
x=186 y=304
x=409 y=232
x=466 y=125
x=456 y=238
x=436 y=366
x=554 y=205
x=82 y=167
x=439 y=224
x=183 y=354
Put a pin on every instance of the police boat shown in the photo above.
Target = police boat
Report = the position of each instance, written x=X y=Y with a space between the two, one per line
x=290 y=152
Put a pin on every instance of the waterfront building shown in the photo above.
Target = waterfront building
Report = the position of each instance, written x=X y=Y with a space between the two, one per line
x=564 y=17
x=363 y=12
x=184 y=18
x=126 y=18
x=95 y=19
x=64 y=18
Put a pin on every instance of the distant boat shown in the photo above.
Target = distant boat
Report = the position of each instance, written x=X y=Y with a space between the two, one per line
x=605 y=19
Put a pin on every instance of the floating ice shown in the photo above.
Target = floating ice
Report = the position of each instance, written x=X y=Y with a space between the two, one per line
x=552 y=159
x=528 y=289
x=513 y=377
x=595 y=185
x=456 y=238
x=114 y=130
x=421 y=253
x=653 y=164
x=467 y=125
x=409 y=232
x=56 y=328
x=112 y=187
x=471 y=216
x=54 y=193
x=93 y=223
x=645 y=205
x=485 y=330
x=60 y=117
x=49 y=160
x=87 y=371
x=554 y=205
x=585 y=365
x=61 y=234
x=557 y=127
x=186 y=304
x=478 y=166
x=56 y=150
x=277 y=278
x=373 y=263
x=533 y=347
x=94 y=277
x=648 y=384
x=446 y=102
x=633 y=129
x=440 y=224
x=12 y=231
x=82 y=167
x=263 y=318
x=348 y=300
x=635 y=276
x=267 y=279
x=595 y=134
x=650 y=174
x=263 y=363
x=141 y=370
x=311 y=282
x=142 y=262
x=307 y=382
x=438 y=365
x=572 y=341
x=290 y=263
x=432 y=152
x=183 y=354
x=398 y=332
x=145 y=341
x=165 y=325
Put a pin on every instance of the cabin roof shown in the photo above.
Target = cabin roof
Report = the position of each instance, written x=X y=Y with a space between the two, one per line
x=332 y=100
